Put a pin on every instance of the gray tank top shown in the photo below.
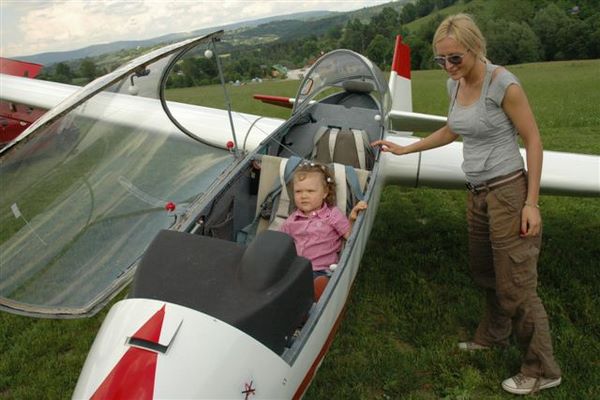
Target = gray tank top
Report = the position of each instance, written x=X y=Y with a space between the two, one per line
x=490 y=146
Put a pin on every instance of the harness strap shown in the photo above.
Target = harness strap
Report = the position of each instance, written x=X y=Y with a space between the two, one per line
x=340 y=188
x=359 y=142
x=333 y=134
x=322 y=130
x=286 y=169
x=352 y=180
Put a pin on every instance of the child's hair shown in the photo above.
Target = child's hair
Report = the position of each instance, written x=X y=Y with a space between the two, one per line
x=307 y=167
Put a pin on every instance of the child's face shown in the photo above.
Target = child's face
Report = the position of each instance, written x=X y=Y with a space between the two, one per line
x=310 y=192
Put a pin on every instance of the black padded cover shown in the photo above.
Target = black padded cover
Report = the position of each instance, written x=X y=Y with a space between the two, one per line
x=264 y=290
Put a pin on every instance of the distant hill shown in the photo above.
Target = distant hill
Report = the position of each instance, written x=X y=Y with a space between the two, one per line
x=282 y=27
x=100 y=49
x=294 y=29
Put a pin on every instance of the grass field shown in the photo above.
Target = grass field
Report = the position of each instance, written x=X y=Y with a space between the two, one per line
x=413 y=298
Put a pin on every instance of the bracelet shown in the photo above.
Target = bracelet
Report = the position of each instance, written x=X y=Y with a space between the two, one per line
x=532 y=204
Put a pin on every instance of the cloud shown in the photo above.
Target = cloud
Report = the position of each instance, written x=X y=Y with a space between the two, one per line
x=30 y=27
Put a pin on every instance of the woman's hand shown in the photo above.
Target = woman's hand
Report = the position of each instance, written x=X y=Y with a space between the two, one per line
x=388 y=146
x=531 y=221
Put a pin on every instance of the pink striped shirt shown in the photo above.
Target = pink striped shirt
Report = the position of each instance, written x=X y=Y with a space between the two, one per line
x=318 y=236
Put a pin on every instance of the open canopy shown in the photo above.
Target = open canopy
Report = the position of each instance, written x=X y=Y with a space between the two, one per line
x=87 y=187
x=342 y=70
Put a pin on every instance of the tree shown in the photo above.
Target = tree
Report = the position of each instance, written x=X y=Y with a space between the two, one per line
x=573 y=39
x=335 y=32
x=421 y=44
x=310 y=49
x=87 y=69
x=386 y=23
x=354 y=37
x=511 y=42
x=593 y=22
x=62 y=73
x=421 y=53
x=513 y=10
x=408 y=14
x=546 y=24
x=380 y=51
x=424 y=7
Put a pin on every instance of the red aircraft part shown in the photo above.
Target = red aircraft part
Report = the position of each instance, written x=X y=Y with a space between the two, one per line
x=401 y=61
x=15 y=118
x=276 y=100
x=19 y=68
x=133 y=376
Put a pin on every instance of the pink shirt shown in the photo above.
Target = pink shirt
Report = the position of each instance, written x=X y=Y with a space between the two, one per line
x=318 y=236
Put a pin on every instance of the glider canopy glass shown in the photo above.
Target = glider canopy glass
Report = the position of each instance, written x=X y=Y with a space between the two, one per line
x=87 y=187
x=342 y=70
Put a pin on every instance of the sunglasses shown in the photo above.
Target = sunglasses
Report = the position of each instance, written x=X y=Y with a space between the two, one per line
x=455 y=59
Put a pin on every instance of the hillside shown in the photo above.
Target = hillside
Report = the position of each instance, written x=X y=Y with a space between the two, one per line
x=102 y=49
x=284 y=27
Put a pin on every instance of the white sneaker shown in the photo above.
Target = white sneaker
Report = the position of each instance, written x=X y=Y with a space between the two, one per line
x=471 y=346
x=521 y=384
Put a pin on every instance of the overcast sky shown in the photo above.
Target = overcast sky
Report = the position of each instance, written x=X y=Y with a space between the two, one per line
x=38 y=26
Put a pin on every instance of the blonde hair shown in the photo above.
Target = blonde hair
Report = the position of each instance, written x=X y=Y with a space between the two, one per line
x=463 y=29
x=308 y=167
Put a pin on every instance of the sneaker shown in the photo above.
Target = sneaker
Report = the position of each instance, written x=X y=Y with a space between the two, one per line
x=472 y=346
x=521 y=384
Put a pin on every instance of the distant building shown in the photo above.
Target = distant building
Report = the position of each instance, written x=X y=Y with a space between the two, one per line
x=278 y=71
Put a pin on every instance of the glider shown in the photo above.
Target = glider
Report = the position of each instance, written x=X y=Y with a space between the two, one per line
x=116 y=185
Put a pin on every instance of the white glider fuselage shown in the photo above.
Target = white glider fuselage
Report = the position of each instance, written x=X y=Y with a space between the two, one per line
x=207 y=358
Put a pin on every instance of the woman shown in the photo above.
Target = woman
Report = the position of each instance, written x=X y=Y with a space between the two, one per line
x=489 y=109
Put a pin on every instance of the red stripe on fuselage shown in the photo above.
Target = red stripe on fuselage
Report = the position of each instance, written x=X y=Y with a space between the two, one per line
x=150 y=331
x=134 y=375
x=313 y=368
x=401 y=62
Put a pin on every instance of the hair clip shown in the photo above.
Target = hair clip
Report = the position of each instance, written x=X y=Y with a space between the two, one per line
x=329 y=179
x=307 y=163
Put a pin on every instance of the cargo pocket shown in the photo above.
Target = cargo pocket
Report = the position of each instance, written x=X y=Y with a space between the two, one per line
x=524 y=265
x=509 y=197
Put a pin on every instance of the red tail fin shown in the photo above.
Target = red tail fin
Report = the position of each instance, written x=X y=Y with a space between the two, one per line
x=401 y=62
x=400 y=85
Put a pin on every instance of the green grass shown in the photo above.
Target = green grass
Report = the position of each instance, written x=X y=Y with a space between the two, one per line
x=413 y=298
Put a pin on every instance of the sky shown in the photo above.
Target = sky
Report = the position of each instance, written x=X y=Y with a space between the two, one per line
x=38 y=26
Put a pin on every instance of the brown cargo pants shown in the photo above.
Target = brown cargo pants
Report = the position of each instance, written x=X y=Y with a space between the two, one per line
x=505 y=266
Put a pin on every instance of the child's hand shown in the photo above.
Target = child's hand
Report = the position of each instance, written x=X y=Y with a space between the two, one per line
x=360 y=206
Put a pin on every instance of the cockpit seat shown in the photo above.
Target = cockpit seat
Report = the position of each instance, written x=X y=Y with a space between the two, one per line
x=343 y=146
x=264 y=289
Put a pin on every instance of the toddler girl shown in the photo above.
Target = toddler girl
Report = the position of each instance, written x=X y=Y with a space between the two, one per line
x=317 y=225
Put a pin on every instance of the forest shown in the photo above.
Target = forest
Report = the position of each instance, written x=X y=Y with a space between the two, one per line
x=528 y=31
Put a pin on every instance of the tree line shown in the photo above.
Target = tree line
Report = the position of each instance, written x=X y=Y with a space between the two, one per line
x=517 y=31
